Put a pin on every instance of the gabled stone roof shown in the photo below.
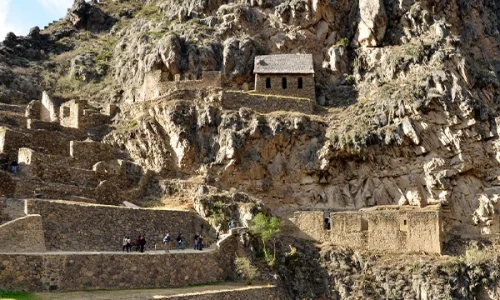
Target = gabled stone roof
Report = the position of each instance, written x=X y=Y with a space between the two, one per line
x=284 y=64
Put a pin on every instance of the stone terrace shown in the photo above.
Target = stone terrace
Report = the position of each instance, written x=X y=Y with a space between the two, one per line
x=58 y=158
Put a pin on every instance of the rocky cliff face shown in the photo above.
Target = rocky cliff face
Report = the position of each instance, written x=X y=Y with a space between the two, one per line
x=406 y=108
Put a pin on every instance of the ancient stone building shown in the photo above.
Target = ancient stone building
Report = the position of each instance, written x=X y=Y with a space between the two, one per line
x=396 y=229
x=286 y=75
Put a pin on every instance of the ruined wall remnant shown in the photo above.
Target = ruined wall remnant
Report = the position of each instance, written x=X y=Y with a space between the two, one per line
x=79 y=114
x=155 y=85
x=388 y=228
x=49 y=109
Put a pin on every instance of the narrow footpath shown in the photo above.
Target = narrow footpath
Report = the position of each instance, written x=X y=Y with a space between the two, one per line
x=192 y=292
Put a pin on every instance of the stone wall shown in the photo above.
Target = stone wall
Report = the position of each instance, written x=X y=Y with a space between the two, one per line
x=308 y=89
x=22 y=235
x=388 y=229
x=92 y=271
x=3 y=216
x=71 y=226
x=89 y=153
x=258 y=292
x=44 y=141
x=7 y=185
x=49 y=109
x=155 y=86
x=54 y=169
x=34 y=124
x=265 y=104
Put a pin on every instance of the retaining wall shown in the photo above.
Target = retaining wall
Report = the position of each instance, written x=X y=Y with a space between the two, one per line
x=70 y=272
x=265 y=103
x=22 y=235
x=73 y=226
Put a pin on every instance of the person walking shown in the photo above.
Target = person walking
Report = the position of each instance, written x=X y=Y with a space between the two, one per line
x=166 y=240
x=179 y=242
x=124 y=244
x=142 y=243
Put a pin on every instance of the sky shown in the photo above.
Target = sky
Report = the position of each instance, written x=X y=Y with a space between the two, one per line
x=19 y=16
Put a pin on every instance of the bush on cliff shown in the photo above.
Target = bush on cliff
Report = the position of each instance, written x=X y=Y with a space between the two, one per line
x=267 y=228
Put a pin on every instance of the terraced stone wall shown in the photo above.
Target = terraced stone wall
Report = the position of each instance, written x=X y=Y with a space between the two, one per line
x=69 y=272
x=73 y=226
x=235 y=100
x=22 y=235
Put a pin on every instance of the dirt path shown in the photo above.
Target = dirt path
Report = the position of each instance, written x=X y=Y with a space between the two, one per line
x=142 y=294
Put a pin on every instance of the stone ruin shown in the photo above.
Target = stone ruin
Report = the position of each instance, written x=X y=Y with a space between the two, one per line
x=57 y=145
x=393 y=229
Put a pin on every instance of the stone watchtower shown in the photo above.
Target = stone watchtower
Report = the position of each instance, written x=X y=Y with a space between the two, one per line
x=286 y=75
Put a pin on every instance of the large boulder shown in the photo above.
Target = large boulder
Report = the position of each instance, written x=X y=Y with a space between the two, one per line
x=372 y=23
x=84 y=15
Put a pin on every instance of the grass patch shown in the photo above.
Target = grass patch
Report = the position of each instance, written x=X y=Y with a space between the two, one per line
x=5 y=295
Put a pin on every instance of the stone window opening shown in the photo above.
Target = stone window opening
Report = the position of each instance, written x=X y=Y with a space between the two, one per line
x=300 y=83
x=364 y=225
x=268 y=83
x=283 y=83
x=403 y=224
x=66 y=112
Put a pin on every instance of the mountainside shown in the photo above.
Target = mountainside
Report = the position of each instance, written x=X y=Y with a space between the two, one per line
x=406 y=113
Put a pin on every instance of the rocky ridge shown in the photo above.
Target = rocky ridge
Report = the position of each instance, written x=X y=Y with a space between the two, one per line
x=406 y=103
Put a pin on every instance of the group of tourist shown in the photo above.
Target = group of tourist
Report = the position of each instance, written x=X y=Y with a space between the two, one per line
x=140 y=243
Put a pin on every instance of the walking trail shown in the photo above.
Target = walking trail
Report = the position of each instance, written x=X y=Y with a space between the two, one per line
x=147 y=293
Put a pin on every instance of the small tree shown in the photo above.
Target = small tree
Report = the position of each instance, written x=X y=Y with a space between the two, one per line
x=267 y=228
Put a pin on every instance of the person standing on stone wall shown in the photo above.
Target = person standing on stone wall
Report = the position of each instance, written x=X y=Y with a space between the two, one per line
x=142 y=242
x=124 y=244
x=166 y=240
x=129 y=244
x=179 y=242
x=196 y=241
x=200 y=242
x=137 y=243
